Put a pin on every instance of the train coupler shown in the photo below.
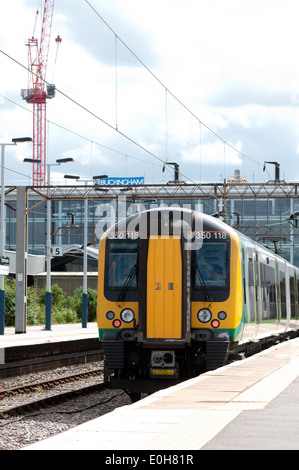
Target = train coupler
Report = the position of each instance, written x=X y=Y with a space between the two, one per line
x=163 y=365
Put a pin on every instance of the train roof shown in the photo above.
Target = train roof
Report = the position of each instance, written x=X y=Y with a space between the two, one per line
x=199 y=221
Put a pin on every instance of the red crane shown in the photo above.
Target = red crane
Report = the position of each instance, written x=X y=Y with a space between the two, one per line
x=38 y=91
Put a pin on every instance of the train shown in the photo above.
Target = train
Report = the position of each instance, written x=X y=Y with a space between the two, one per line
x=179 y=291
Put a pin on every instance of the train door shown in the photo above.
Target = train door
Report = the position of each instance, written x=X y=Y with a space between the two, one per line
x=292 y=283
x=164 y=288
x=252 y=298
x=283 y=292
x=245 y=276
x=278 y=293
x=296 y=296
x=258 y=293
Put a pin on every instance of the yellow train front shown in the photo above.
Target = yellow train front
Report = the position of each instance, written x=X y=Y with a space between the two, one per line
x=170 y=297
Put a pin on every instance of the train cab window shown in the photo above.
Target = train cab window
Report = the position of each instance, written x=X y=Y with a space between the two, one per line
x=211 y=271
x=121 y=264
x=212 y=261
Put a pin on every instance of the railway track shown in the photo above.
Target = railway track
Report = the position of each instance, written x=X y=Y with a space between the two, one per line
x=44 y=407
x=19 y=360
x=31 y=403
x=31 y=387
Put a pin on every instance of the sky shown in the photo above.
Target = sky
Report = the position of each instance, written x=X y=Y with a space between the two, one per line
x=210 y=85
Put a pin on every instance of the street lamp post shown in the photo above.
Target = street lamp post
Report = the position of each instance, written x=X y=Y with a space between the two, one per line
x=85 y=238
x=48 y=319
x=2 y=227
x=84 y=294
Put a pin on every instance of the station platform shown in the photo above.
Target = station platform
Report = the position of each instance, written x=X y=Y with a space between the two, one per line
x=38 y=334
x=247 y=405
x=38 y=348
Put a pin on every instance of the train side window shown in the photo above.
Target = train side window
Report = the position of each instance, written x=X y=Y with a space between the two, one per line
x=250 y=272
x=268 y=290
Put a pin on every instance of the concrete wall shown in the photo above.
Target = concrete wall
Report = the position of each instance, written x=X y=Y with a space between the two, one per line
x=66 y=280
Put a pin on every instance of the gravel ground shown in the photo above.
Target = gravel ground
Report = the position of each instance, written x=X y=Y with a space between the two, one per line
x=19 y=432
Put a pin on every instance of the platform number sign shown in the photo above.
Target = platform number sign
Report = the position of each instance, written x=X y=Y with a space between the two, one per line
x=57 y=251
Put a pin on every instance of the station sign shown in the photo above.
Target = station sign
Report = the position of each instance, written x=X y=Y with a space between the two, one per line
x=4 y=265
x=127 y=181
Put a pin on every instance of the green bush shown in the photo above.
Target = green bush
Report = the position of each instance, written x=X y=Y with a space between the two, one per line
x=61 y=315
x=57 y=295
x=66 y=308
x=10 y=301
x=91 y=305
x=35 y=315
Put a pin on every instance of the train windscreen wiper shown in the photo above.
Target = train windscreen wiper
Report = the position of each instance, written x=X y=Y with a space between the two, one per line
x=128 y=282
x=203 y=284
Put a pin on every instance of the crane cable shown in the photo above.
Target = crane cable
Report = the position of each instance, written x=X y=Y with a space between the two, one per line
x=58 y=42
x=36 y=17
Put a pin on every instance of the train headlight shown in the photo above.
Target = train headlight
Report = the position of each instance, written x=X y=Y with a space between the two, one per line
x=204 y=315
x=127 y=315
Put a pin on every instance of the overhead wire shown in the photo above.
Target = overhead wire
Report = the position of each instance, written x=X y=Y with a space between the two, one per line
x=162 y=84
x=80 y=135
x=94 y=115
x=167 y=91
x=166 y=166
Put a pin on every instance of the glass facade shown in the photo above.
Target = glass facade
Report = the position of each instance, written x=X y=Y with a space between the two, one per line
x=266 y=220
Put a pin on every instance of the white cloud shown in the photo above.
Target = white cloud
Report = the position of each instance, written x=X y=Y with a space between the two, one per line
x=233 y=64
x=216 y=153
x=87 y=154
